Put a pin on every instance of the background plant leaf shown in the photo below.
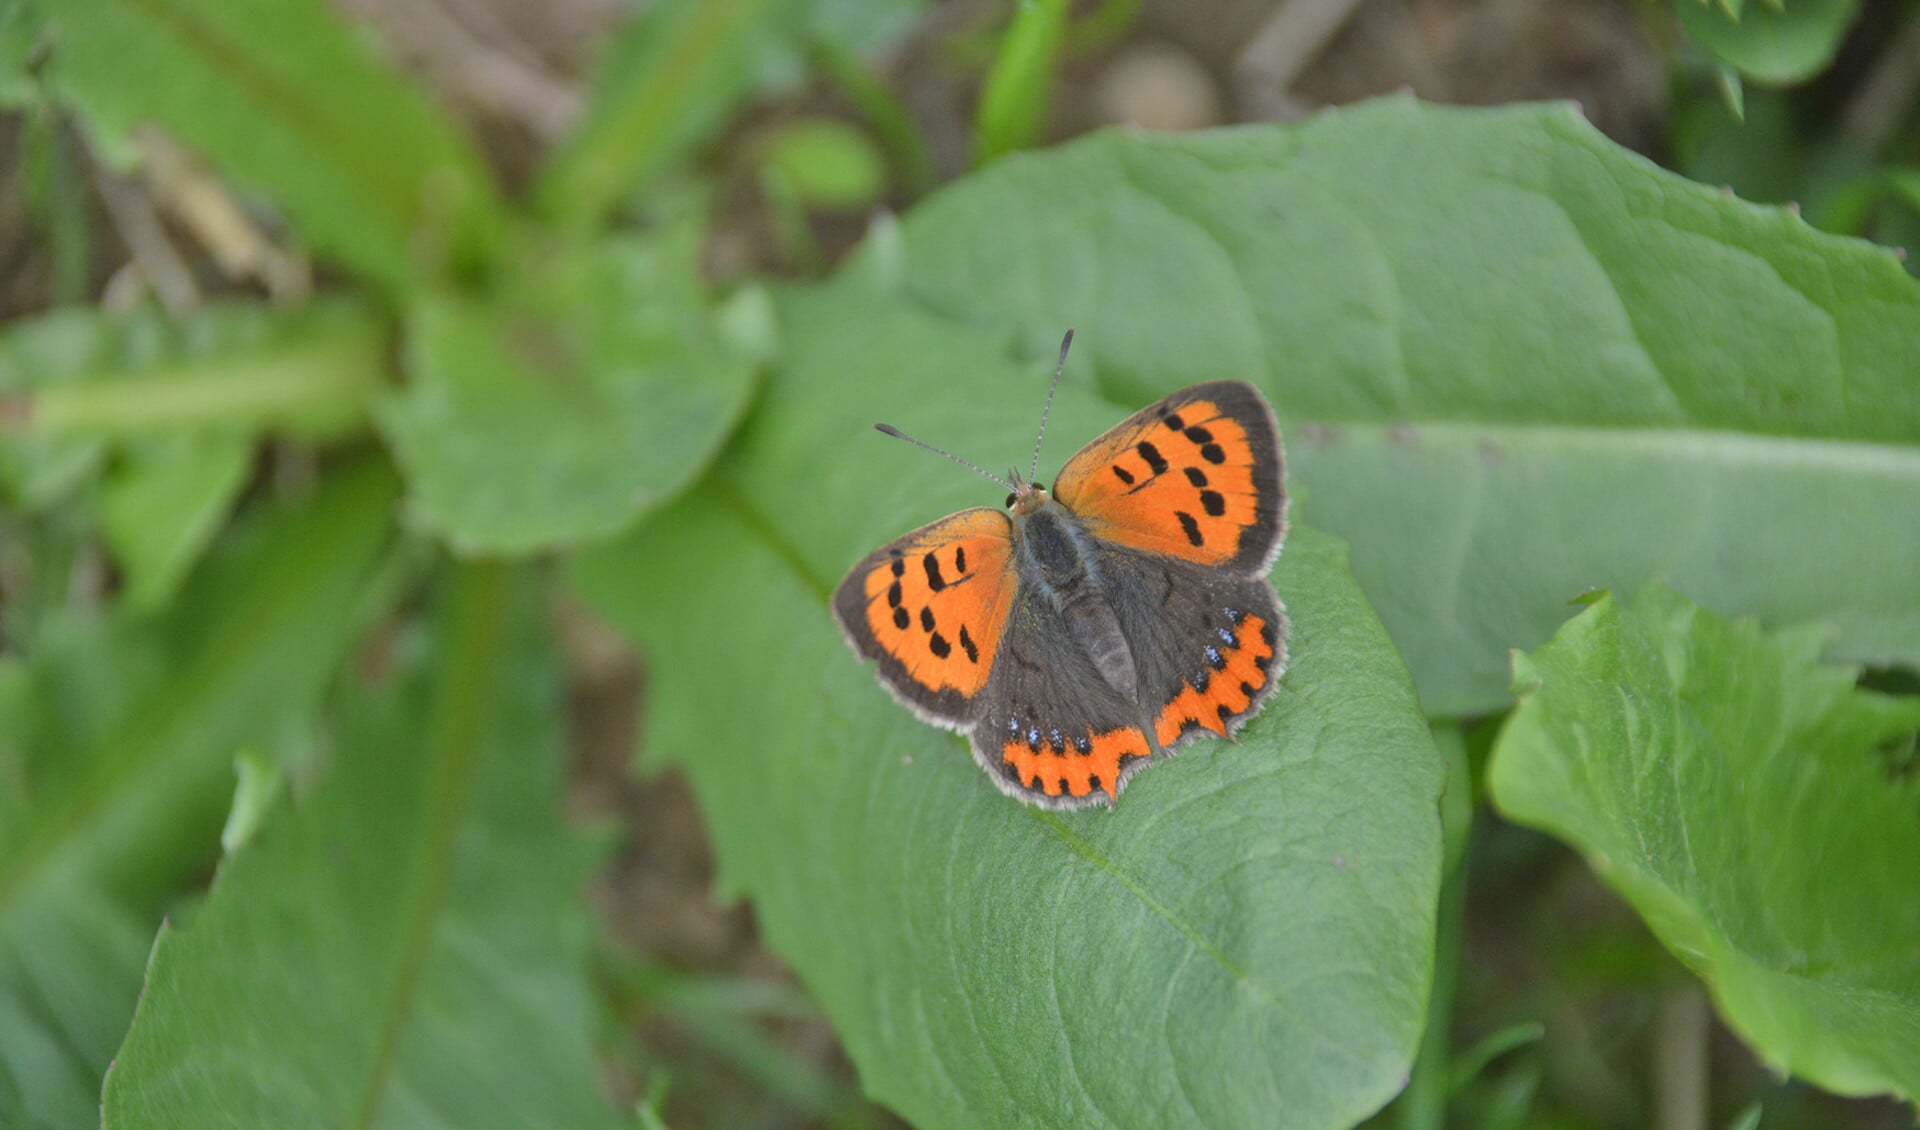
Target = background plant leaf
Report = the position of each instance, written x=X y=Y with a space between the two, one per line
x=667 y=83
x=406 y=947
x=164 y=504
x=1196 y=953
x=121 y=731
x=593 y=392
x=671 y=78
x=74 y=380
x=1019 y=85
x=1743 y=797
x=290 y=100
x=1784 y=43
x=1552 y=368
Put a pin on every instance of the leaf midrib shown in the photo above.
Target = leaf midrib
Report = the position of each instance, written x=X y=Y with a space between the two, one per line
x=478 y=644
x=1723 y=446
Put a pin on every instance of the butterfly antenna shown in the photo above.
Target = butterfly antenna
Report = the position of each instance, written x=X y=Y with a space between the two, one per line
x=1065 y=342
x=896 y=433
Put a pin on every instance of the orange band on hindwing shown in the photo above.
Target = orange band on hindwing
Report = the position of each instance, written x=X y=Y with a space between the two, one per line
x=1053 y=763
x=1225 y=687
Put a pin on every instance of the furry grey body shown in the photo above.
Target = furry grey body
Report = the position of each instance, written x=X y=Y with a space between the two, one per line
x=1058 y=554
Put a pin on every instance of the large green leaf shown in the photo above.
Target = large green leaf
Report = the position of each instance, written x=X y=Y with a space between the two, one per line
x=1245 y=940
x=1751 y=803
x=121 y=732
x=290 y=100
x=407 y=947
x=1512 y=361
x=597 y=389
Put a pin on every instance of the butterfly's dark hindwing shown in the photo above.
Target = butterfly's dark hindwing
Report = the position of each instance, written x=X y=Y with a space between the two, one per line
x=1050 y=730
x=1208 y=647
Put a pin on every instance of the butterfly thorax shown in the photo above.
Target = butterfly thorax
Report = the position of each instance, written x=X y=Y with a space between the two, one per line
x=1054 y=553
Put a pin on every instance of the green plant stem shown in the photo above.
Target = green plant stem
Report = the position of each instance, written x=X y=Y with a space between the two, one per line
x=478 y=642
x=889 y=121
x=1013 y=105
x=790 y=224
x=692 y=57
x=1423 y=1105
x=318 y=387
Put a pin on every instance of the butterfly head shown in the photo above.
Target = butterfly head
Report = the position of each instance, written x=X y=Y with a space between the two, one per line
x=1025 y=497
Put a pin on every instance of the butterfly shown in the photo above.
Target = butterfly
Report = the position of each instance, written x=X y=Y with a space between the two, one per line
x=1078 y=633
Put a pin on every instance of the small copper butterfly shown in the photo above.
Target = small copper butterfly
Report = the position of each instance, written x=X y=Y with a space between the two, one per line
x=1083 y=631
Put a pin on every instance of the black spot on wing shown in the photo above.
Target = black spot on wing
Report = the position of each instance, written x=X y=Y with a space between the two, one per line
x=934 y=580
x=1175 y=422
x=1213 y=454
x=1123 y=474
x=1212 y=502
x=926 y=619
x=1190 y=525
x=1196 y=476
x=901 y=619
x=1199 y=435
x=893 y=593
x=1152 y=456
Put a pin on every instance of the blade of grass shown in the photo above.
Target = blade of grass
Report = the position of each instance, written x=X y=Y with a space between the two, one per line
x=668 y=81
x=1013 y=103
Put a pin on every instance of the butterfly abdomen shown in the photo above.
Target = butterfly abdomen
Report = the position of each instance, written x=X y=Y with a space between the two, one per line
x=1051 y=548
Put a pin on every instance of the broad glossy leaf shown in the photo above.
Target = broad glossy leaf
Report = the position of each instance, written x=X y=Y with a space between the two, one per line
x=1245 y=940
x=1512 y=361
x=1753 y=805
x=559 y=415
x=1773 y=43
x=121 y=731
x=290 y=100
x=406 y=947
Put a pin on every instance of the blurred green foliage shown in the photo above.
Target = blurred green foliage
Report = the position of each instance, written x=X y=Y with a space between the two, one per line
x=315 y=538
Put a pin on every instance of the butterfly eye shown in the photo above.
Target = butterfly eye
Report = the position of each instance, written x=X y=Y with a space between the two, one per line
x=1010 y=502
